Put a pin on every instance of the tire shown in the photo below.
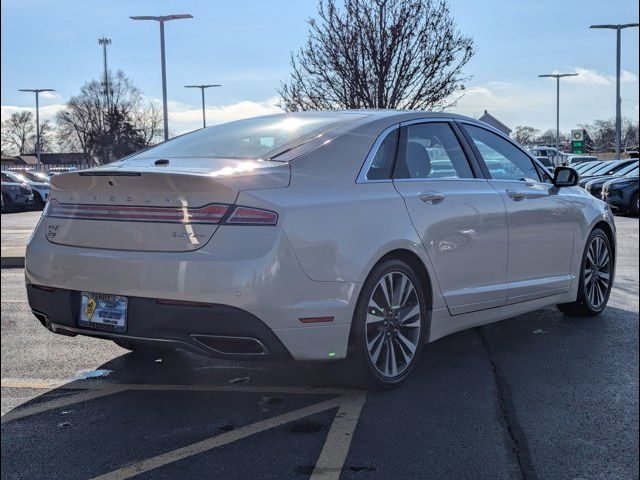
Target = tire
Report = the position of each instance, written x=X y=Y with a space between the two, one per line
x=142 y=348
x=387 y=340
x=633 y=205
x=596 y=277
x=7 y=202
x=38 y=202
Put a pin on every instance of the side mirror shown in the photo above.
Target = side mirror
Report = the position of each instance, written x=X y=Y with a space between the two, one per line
x=565 y=177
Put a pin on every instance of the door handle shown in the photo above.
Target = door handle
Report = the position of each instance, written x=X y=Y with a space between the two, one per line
x=517 y=196
x=431 y=197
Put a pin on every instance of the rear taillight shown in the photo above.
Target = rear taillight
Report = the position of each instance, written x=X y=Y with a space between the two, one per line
x=208 y=214
x=252 y=216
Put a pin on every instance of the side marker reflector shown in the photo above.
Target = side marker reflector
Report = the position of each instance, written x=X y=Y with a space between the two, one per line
x=316 y=319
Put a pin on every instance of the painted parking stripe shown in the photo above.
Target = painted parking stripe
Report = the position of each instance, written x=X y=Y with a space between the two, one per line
x=75 y=384
x=217 y=441
x=60 y=402
x=336 y=446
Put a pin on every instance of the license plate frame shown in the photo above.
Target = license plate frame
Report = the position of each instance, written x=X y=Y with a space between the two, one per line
x=103 y=312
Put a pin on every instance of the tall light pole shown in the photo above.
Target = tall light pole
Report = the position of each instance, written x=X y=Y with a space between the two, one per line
x=618 y=29
x=202 y=88
x=161 y=20
x=558 y=76
x=37 y=92
x=104 y=42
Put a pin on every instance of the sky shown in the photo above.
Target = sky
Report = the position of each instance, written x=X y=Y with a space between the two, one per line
x=246 y=46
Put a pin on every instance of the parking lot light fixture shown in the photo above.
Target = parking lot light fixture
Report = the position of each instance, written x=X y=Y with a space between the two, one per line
x=161 y=20
x=202 y=88
x=618 y=28
x=37 y=92
x=558 y=76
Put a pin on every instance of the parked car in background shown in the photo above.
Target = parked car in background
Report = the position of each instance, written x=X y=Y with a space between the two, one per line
x=543 y=151
x=594 y=187
x=39 y=186
x=605 y=170
x=574 y=160
x=16 y=194
x=546 y=163
x=317 y=236
x=584 y=167
x=622 y=194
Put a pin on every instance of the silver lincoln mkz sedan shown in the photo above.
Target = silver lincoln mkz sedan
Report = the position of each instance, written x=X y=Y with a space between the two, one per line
x=317 y=236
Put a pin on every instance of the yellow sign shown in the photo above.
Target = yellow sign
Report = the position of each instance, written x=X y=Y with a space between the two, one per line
x=90 y=308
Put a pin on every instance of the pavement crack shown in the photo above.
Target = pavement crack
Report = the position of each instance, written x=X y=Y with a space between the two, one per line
x=515 y=435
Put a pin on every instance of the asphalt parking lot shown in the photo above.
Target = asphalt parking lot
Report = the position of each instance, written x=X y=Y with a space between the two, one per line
x=540 y=396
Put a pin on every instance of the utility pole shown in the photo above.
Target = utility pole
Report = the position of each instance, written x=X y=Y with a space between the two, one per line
x=202 y=88
x=161 y=20
x=37 y=92
x=618 y=28
x=558 y=76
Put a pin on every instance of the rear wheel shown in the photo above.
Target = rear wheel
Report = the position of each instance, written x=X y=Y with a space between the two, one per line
x=7 y=204
x=38 y=202
x=596 y=277
x=634 y=207
x=388 y=326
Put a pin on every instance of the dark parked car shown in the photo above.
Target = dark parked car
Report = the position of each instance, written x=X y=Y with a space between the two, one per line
x=607 y=169
x=594 y=187
x=15 y=195
x=622 y=194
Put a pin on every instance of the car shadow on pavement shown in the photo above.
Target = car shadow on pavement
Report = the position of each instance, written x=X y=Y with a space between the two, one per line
x=469 y=388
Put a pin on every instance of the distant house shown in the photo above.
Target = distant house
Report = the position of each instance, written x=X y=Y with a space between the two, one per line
x=8 y=161
x=64 y=158
x=495 y=123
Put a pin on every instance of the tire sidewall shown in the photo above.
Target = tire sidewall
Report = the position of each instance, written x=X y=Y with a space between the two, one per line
x=359 y=339
x=582 y=292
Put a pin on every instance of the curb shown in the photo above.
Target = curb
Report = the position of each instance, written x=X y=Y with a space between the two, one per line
x=12 y=262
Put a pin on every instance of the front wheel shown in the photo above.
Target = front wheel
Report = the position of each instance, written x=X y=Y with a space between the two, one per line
x=389 y=326
x=634 y=206
x=596 y=277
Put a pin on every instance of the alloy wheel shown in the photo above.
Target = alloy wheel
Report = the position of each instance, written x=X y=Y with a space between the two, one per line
x=597 y=273
x=393 y=324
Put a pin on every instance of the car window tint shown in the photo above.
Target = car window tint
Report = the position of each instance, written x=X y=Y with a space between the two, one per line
x=5 y=178
x=431 y=150
x=504 y=160
x=382 y=163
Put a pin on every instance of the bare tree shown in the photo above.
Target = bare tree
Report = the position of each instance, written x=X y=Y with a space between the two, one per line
x=525 y=135
x=17 y=131
x=110 y=123
x=404 y=54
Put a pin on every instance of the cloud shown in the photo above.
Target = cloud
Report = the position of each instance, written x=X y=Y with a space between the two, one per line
x=588 y=76
x=184 y=118
x=628 y=77
x=47 y=112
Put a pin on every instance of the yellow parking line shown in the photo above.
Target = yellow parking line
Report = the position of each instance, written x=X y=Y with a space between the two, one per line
x=59 y=402
x=217 y=441
x=75 y=384
x=336 y=446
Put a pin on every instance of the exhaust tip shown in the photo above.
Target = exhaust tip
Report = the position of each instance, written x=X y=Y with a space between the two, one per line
x=246 y=346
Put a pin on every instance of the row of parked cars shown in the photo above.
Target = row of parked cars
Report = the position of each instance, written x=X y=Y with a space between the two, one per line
x=24 y=189
x=614 y=181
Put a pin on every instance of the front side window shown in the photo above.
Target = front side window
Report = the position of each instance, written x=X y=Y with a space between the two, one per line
x=504 y=160
x=430 y=151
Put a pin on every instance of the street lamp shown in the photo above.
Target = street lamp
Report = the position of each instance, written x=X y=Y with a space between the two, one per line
x=618 y=29
x=161 y=20
x=37 y=92
x=558 y=76
x=202 y=88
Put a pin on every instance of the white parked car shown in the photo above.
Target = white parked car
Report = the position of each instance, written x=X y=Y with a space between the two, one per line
x=318 y=236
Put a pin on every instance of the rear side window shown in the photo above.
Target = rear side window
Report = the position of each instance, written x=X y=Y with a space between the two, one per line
x=430 y=151
x=382 y=163
x=504 y=160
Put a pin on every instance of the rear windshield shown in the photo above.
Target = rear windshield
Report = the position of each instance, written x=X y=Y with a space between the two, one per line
x=253 y=138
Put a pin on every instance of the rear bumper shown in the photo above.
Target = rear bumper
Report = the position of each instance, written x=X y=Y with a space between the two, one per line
x=215 y=330
x=244 y=272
